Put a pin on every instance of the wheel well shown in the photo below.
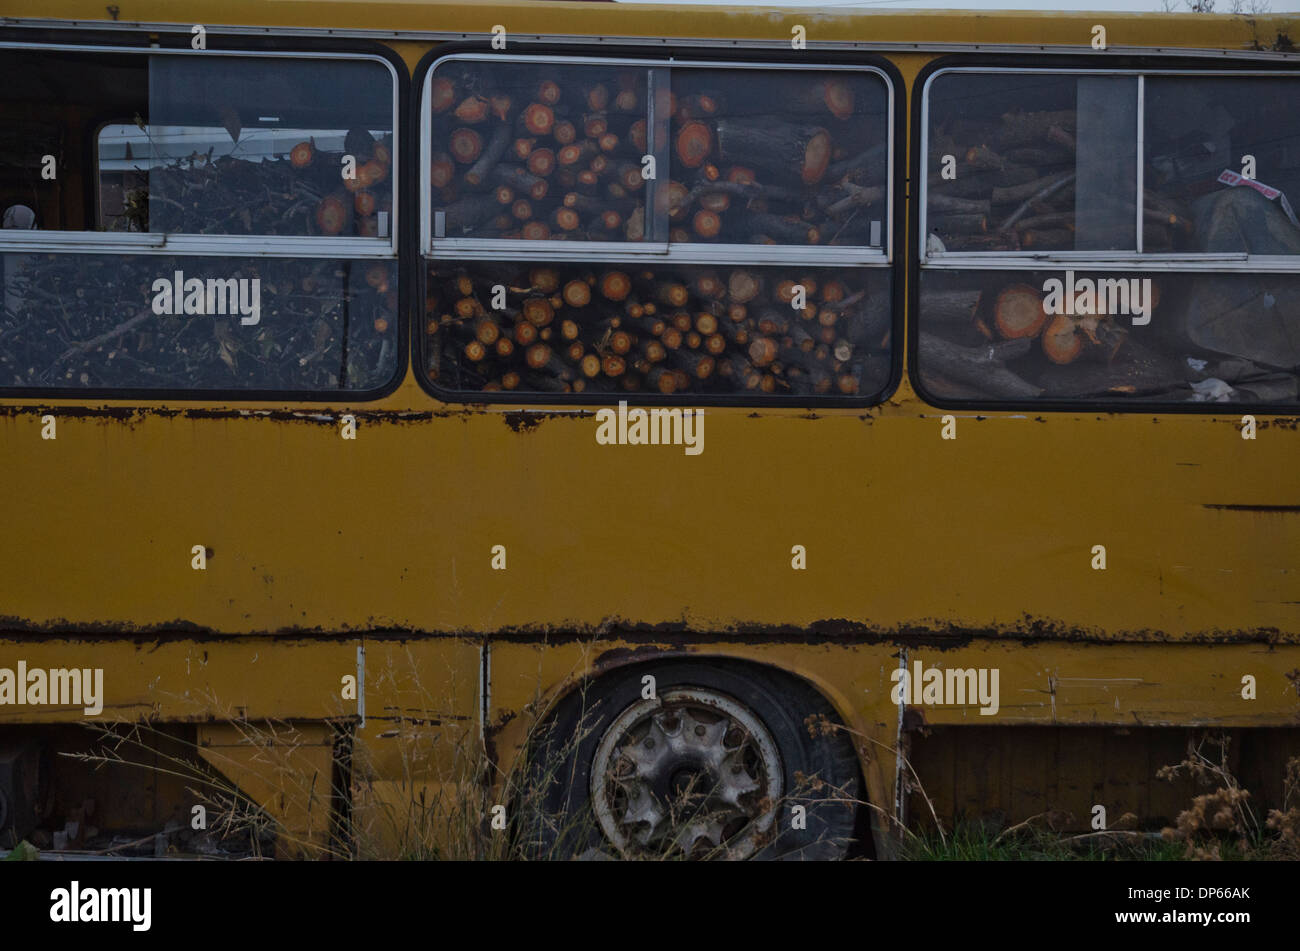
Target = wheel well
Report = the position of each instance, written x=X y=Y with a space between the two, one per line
x=863 y=846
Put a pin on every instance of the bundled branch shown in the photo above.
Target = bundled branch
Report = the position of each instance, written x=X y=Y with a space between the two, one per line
x=1014 y=189
x=304 y=192
x=706 y=330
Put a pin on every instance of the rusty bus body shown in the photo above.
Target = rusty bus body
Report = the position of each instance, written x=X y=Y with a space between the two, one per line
x=373 y=558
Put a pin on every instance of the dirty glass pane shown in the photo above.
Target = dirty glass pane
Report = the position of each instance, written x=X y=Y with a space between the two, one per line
x=243 y=145
x=194 y=144
x=685 y=330
x=1222 y=164
x=772 y=156
x=47 y=99
x=1111 y=337
x=538 y=151
x=1031 y=162
x=173 y=323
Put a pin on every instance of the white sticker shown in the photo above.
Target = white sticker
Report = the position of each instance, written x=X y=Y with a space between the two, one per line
x=875 y=233
x=1231 y=179
x=440 y=224
x=383 y=224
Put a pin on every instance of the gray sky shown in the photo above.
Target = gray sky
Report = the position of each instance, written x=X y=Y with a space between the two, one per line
x=1126 y=6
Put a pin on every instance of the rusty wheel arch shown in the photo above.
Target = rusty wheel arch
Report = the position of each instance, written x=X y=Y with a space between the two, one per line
x=622 y=659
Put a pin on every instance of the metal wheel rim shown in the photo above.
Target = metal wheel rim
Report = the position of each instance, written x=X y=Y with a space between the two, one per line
x=728 y=803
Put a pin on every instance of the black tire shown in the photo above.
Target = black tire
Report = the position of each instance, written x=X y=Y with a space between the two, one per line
x=556 y=812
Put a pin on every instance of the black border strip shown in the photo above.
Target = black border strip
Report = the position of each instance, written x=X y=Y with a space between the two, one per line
x=897 y=268
x=406 y=251
x=916 y=169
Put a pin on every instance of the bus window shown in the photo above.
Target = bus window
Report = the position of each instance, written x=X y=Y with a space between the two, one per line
x=637 y=152
x=200 y=223
x=712 y=230
x=1030 y=161
x=757 y=332
x=1071 y=302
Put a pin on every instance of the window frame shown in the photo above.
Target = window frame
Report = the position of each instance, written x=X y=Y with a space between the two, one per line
x=515 y=249
x=551 y=252
x=397 y=249
x=1193 y=262
x=1132 y=260
x=232 y=245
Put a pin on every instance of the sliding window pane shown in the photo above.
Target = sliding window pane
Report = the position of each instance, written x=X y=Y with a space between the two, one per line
x=1222 y=164
x=538 y=150
x=773 y=156
x=1031 y=162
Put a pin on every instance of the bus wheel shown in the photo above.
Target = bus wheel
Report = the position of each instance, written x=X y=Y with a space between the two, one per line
x=720 y=763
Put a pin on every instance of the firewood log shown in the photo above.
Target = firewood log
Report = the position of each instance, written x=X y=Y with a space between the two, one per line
x=959 y=224
x=541 y=162
x=577 y=152
x=442 y=94
x=833 y=96
x=1051 y=239
x=496 y=147
x=1013 y=194
x=781 y=147
x=441 y=170
x=520 y=179
x=984 y=158
x=465 y=145
x=1040 y=157
x=537 y=119
x=468 y=213
x=982 y=367
x=869 y=159
x=781 y=230
x=943 y=204
x=949 y=308
x=1032 y=128
x=743 y=286
x=1018 y=311
x=472 y=109
x=565 y=133
x=615 y=285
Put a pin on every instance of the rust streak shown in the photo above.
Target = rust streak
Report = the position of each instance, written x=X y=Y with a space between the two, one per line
x=1234 y=507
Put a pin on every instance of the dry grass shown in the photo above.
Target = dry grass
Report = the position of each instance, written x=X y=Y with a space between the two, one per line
x=429 y=812
x=1219 y=824
x=448 y=812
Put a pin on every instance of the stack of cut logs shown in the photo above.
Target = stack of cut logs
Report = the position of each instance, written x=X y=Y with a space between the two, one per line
x=302 y=193
x=1014 y=189
x=554 y=158
x=86 y=320
x=573 y=329
x=542 y=160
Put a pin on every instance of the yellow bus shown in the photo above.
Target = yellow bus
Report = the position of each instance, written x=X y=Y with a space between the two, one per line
x=638 y=430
